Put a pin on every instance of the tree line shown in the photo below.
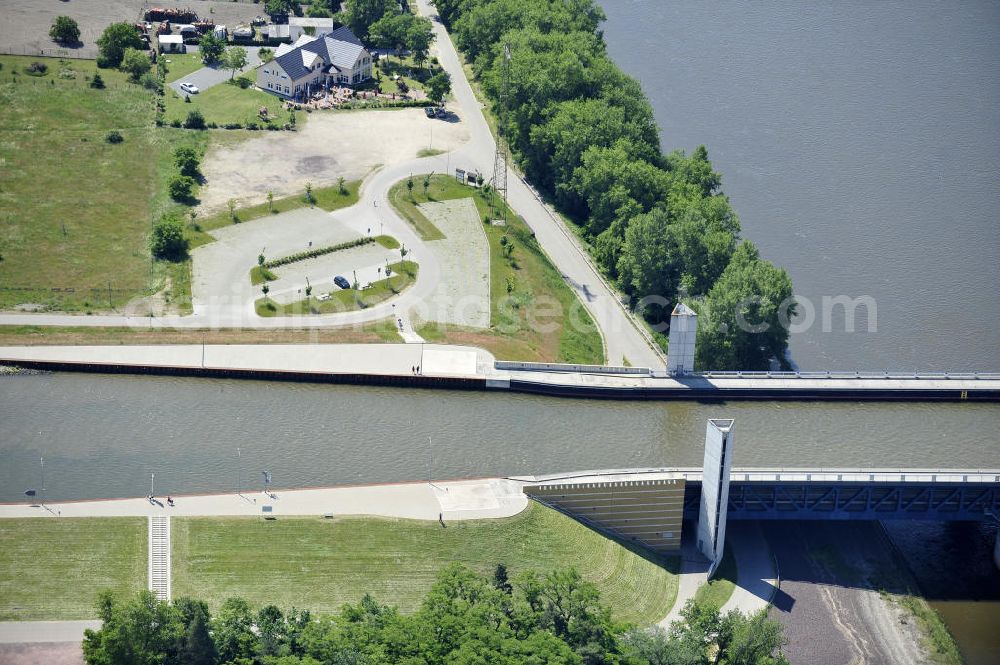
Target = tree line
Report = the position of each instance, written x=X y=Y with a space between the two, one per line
x=659 y=224
x=465 y=619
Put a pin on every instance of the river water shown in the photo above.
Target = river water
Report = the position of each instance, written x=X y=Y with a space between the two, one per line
x=860 y=144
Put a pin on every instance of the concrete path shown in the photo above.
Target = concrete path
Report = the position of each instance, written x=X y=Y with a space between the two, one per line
x=16 y=632
x=693 y=573
x=756 y=577
x=450 y=500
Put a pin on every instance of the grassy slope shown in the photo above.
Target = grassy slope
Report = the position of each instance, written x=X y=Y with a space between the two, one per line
x=53 y=568
x=320 y=564
x=347 y=300
x=535 y=280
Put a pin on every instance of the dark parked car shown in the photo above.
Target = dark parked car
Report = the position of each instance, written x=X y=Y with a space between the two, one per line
x=341 y=282
x=429 y=111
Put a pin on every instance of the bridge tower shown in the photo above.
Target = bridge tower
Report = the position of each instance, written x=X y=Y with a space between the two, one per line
x=719 y=437
x=499 y=181
x=683 y=332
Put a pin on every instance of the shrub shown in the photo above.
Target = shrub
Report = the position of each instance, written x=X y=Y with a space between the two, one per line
x=195 y=120
x=181 y=187
x=37 y=69
x=319 y=251
x=136 y=63
x=97 y=82
x=253 y=126
x=212 y=125
x=150 y=82
x=116 y=38
x=167 y=240
x=67 y=73
x=233 y=125
x=114 y=136
x=186 y=161
x=175 y=123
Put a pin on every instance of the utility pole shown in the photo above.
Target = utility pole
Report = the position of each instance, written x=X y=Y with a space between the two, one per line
x=500 y=157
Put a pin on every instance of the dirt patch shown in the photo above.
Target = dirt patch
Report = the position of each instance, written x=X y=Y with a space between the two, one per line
x=50 y=653
x=328 y=145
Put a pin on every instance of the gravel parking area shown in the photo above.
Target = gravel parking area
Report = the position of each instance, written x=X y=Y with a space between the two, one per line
x=25 y=25
x=330 y=144
x=463 y=294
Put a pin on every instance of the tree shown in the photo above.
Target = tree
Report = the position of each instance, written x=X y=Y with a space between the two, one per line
x=181 y=187
x=65 y=30
x=270 y=201
x=231 y=204
x=280 y=9
x=265 y=290
x=427 y=184
x=186 y=160
x=310 y=199
x=361 y=14
x=235 y=59
x=232 y=627
x=167 y=240
x=390 y=31
x=114 y=40
x=500 y=580
x=265 y=54
x=141 y=630
x=439 y=86
x=97 y=82
x=198 y=647
x=194 y=120
x=340 y=186
x=409 y=186
x=419 y=35
x=211 y=48
x=136 y=63
x=742 y=323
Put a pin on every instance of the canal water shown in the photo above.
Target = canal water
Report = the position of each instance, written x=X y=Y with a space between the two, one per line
x=859 y=143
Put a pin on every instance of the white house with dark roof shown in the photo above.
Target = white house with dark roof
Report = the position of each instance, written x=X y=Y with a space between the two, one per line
x=312 y=63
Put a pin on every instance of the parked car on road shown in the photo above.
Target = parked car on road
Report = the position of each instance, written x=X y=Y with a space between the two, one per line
x=429 y=111
x=189 y=88
x=341 y=282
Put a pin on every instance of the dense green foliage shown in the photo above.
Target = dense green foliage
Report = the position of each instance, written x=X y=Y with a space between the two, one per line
x=584 y=133
x=136 y=63
x=115 y=39
x=65 y=30
x=167 y=240
x=211 y=48
x=555 y=619
x=381 y=23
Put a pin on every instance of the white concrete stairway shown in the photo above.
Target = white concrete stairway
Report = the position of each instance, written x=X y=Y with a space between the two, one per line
x=159 y=556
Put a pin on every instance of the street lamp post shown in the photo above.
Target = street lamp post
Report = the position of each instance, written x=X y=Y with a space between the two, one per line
x=152 y=476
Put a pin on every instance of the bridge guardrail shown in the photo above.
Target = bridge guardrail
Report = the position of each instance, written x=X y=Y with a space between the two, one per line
x=964 y=376
x=792 y=474
x=511 y=365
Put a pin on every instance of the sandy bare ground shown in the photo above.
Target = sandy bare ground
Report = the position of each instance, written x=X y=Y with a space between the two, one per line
x=463 y=294
x=50 y=653
x=25 y=25
x=329 y=145
x=829 y=601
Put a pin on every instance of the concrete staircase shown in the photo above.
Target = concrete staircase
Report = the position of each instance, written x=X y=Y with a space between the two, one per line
x=159 y=556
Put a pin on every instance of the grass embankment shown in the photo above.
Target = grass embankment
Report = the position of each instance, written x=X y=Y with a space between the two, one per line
x=328 y=198
x=404 y=274
x=370 y=333
x=717 y=591
x=937 y=640
x=76 y=210
x=54 y=568
x=540 y=318
x=320 y=564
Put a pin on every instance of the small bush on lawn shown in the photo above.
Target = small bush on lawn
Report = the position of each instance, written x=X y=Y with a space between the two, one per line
x=181 y=187
x=168 y=241
x=114 y=136
x=37 y=69
x=195 y=120
x=175 y=123
x=97 y=82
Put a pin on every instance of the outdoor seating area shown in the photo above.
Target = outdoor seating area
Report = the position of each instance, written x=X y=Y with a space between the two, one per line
x=337 y=96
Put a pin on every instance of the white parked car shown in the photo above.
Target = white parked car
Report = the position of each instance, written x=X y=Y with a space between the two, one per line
x=189 y=88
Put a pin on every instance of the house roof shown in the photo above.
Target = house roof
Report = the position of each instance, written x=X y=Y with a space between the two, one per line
x=339 y=49
x=308 y=22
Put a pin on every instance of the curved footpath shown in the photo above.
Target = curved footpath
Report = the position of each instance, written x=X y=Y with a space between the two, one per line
x=223 y=298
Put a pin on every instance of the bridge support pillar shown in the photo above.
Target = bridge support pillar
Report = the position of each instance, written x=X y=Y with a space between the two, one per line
x=715 y=491
x=996 y=551
x=680 y=348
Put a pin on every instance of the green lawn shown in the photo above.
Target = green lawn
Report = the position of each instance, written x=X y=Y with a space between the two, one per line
x=225 y=103
x=347 y=300
x=75 y=210
x=718 y=590
x=53 y=568
x=538 y=294
x=181 y=64
x=320 y=564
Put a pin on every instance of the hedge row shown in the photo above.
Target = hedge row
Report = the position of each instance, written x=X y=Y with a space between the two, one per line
x=319 y=251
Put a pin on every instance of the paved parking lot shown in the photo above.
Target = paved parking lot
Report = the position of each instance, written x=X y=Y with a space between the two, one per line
x=206 y=77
